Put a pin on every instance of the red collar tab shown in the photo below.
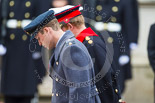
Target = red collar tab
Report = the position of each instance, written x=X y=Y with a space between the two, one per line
x=68 y=14
x=84 y=33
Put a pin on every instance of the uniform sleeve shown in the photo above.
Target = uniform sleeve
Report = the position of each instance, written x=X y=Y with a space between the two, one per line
x=130 y=20
x=77 y=67
x=135 y=33
x=98 y=54
x=101 y=54
x=151 y=47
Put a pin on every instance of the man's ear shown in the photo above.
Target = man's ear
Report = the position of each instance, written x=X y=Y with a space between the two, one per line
x=46 y=29
x=70 y=26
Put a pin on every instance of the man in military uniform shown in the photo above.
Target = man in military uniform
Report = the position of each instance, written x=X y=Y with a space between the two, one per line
x=20 y=66
x=120 y=19
x=71 y=67
x=70 y=18
x=151 y=50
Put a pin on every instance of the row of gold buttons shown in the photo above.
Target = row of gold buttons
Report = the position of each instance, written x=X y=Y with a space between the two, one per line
x=114 y=9
x=24 y=37
x=12 y=14
x=27 y=4
x=99 y=18
x=88 y=39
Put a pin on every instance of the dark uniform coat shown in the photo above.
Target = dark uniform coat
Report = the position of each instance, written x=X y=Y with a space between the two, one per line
x=123 y=12
x=19 y=74
x=107 y=86
x=151 y=47
x=71 y=73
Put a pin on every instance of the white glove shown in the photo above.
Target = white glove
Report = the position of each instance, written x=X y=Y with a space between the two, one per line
x=2 y=50
x=123 y=59
x=99 y=26
x=133 y=46
x=112 y=27
x=36 y=55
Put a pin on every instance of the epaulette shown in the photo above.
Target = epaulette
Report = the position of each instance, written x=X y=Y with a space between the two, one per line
x=70 y=42
x=88 y=39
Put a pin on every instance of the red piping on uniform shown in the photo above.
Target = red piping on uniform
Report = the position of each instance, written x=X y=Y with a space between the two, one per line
x=69 y=16
x=84 y=33
x=67 y=10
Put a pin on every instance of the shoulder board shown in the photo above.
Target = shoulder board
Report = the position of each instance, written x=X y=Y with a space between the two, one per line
x=69 y=42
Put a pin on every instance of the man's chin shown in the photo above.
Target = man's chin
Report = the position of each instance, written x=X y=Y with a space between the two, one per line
x=49 y=48
x=46 y=47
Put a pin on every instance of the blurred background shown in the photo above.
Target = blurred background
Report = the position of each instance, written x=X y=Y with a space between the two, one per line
x=139 y=89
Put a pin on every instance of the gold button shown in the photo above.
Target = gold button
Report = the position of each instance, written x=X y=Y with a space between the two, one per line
x=116 y=90
x=90 y=41
x=12 y=36
x=28 y=4
x=11 y=3
x=110 y=39
x=96 y=90
x=11 y=14
x=56 y=79
x=57 y=94
x=57 y=63
x=66 y=20
x=87 y=38
x=70 y=43
x=27 y=15
x=117 y=0
x=99 y=7
x=24 y=37
x=52 y=94
x=114 y=8
x=99 y=18
x=105 y=26
x=113 y=19
x=19 y=24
